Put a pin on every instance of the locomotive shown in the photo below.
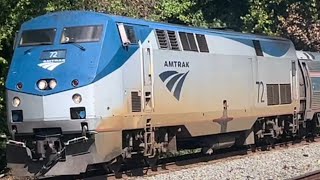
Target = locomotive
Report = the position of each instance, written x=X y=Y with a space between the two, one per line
x=87 y=88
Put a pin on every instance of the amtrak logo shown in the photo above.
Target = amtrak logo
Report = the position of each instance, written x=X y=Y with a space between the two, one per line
x=51 y=64
x=175 y=81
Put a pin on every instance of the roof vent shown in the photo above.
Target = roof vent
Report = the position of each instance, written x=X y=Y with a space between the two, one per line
x=162 y=39
x=173 y=40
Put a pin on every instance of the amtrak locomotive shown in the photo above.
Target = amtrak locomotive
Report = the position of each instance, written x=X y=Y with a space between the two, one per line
x=88 y=88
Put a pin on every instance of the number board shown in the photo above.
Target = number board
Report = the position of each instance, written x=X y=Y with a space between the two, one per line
x=53 y=54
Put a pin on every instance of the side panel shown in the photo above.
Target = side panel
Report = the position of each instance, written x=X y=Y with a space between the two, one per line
x=204 y=82
x=192 y=88
x=277 y=72
x=210 y=79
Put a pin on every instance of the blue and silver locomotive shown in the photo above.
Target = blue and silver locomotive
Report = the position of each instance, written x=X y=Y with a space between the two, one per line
x=88 y=88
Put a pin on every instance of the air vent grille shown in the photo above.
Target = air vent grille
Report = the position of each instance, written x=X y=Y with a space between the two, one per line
x=162 y=39
x=273 y=94
x=202 y=42
x=285 y=93
x=135 y=102
x=173 y=40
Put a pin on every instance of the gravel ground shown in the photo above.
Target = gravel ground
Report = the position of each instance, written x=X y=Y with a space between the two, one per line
x=274 y=164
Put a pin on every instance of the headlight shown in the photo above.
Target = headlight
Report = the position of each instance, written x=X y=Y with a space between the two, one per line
x=42 y=84
x=52 y=83
x=77 y=98
x=16 y=101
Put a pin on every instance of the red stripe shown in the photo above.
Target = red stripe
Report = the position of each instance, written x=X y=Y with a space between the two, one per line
x=314 y=74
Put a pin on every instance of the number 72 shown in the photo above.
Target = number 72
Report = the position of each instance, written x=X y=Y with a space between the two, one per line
x=53 y=54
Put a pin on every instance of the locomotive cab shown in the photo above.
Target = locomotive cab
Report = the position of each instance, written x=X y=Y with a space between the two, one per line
x=50 y=99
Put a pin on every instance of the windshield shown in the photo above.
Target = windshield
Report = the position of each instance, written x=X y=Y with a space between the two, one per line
x=81 y=34
x=37 y=37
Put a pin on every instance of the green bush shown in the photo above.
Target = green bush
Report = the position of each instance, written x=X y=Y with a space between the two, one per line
x=2 y=154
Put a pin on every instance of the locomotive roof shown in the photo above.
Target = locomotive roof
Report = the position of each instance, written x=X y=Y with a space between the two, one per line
x=178 y=27
x=165 y=26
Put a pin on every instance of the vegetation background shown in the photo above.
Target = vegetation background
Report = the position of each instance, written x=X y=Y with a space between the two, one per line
x=298 y=20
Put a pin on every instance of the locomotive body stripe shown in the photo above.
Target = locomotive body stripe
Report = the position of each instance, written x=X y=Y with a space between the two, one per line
x=177 y=91
x=163 y=76
x=172 y=81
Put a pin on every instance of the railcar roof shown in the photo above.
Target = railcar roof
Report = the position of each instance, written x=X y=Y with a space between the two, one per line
x=169 y=26
x=307 y=55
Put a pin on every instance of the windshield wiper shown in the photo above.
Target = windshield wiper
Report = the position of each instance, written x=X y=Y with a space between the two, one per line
x=35 y=45
x=75 y=44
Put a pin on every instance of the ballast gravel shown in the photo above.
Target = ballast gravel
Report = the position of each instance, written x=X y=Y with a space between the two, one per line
x=274 y=164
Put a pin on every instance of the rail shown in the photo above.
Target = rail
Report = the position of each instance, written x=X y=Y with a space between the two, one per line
x=314 y=175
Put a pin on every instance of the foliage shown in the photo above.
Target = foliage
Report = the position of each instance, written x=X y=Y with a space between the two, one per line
x=294 y=19
x=263 y=16
x=133 y=8
x=302 y=26
x=2 y=153
x=204 y=13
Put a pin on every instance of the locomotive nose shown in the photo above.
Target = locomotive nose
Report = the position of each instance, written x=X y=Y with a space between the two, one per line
x=66 y=110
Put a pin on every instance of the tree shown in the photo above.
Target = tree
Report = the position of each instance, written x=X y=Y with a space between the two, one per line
x=134 y=8
x=263 y=16
x=302 y=25
x=294 y=19
x=204 y=13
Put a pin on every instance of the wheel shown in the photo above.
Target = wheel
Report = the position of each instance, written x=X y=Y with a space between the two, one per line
x=115 y=167
x=253 y=148
x=152 y=162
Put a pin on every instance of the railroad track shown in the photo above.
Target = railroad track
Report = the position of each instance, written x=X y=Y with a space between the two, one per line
x=315 y=175
x=164 y=166
x=183 y=162
x=195 y=160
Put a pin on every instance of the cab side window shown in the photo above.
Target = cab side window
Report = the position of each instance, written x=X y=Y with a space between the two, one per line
x=131 y=34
